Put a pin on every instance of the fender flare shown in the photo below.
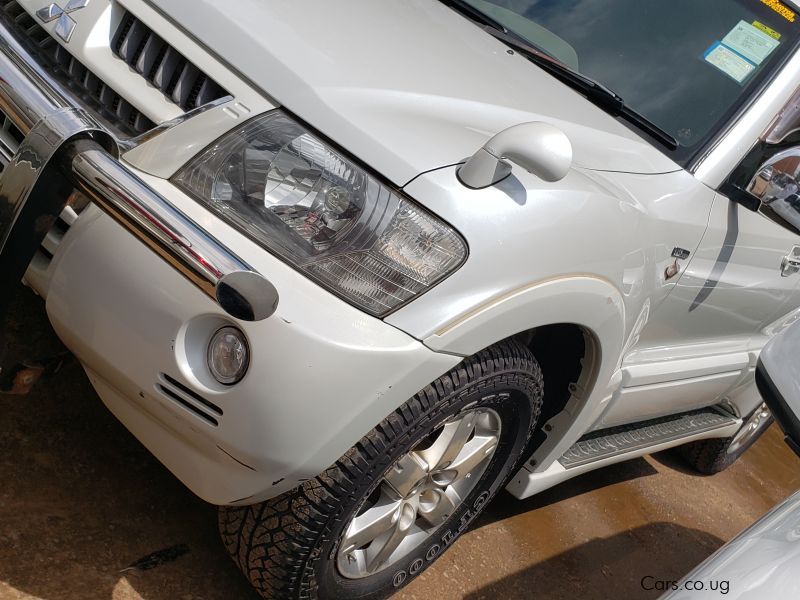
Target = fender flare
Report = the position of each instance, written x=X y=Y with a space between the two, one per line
x=584 y=300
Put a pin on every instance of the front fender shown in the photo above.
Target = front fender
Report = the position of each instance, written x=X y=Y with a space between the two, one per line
x=589 y=302
x=584 y=300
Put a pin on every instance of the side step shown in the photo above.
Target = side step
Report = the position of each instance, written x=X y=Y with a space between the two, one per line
x=607 y=443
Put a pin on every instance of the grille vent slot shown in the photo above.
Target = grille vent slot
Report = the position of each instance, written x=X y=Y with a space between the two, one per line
x=71 y=72
x=162 y=66
x=189 y=399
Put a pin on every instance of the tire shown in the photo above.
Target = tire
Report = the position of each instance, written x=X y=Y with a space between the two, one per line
x=714 y=455
x=292 y=546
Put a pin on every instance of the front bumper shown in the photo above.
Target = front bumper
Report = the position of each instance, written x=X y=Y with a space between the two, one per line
x=322 y=373
x=137 y=296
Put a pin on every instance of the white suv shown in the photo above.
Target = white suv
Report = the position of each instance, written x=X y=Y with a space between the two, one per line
x=400 y=255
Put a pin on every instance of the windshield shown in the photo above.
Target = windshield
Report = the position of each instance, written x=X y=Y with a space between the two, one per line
x=685 y=65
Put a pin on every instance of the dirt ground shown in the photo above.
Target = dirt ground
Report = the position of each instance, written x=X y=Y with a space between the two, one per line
x=83 y=506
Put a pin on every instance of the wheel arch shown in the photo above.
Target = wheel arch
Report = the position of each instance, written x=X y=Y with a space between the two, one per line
x=575 y=326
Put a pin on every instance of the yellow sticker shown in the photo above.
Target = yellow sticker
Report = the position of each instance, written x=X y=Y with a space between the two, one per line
x=768 y=30
x=779 y=8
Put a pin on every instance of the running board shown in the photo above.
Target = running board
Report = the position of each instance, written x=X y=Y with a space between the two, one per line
x=608 y=443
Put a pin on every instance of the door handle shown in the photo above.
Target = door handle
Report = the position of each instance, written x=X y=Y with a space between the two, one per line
x=791 y=262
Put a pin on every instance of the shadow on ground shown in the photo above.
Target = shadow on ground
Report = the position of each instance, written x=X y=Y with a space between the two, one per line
x=612 y=567
x=81 y=499
x=506 y=506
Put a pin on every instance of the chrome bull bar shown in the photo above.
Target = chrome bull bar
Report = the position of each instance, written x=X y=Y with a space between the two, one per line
x=66 y=149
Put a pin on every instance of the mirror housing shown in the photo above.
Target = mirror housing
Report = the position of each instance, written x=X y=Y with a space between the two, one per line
x=539 y=148
x=776 y=186
x=786 y=124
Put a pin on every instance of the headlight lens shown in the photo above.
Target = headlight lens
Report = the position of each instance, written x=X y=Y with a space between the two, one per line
x=228 y=356
x=323 y=214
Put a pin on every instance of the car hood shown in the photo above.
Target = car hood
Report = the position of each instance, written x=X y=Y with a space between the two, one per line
x=406 y=87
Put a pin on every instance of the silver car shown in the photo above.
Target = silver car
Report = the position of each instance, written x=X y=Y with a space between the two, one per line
x=764 y=560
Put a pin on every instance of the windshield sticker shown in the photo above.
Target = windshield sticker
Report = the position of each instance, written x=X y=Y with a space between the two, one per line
x=749 y=41
x=768 y=30
x=779 y=8
x=729 y=62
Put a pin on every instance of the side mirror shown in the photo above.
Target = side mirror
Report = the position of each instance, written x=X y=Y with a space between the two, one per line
x=776 y=186
x=539 y=148
x=786 y=124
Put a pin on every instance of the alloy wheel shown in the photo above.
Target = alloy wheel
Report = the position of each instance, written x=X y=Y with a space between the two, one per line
x=419 y=493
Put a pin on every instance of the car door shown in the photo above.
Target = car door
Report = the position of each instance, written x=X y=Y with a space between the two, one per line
x=732 y=287
x=739 y=286
x=697 y=343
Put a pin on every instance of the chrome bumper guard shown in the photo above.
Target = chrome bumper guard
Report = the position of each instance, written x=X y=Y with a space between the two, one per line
x=66 y=149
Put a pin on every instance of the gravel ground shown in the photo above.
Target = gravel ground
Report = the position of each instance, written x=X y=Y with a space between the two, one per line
x=83 y=506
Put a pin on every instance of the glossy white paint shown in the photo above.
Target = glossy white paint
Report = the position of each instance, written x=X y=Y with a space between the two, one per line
x=590 y=249
x=96 y=24
x=659 y=399
x=658 y=388
x=125 y=315
x=617 y=227
x=730 y=291
x=668 y=371
x=732 y=286
x=402 y=106
x=539 y=148
x=164 y=154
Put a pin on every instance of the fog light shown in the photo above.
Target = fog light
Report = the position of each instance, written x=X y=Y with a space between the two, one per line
x=228 y=356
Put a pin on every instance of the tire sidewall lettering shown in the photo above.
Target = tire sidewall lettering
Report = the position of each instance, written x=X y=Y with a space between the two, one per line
x=432 y=552
x=399 y=578
x=447 y=538
x=416 y=566
x=481 y=501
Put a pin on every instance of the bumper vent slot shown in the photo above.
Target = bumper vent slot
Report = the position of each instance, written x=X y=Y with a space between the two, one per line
x=108 y=104
x=162 y=66
x=189 y=399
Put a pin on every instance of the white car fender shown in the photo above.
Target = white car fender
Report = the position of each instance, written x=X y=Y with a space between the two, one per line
x=584 y=300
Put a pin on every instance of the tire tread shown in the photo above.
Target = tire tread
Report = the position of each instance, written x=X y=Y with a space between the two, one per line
x=282 y=534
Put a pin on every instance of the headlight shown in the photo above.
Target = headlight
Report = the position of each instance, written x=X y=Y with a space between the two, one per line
x=319 y=211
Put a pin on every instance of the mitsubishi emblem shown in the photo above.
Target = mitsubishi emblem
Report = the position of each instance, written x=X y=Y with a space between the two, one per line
x=65 y=25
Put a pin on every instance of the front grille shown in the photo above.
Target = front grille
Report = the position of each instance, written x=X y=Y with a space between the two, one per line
x=161 y=65
x=108 y=104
